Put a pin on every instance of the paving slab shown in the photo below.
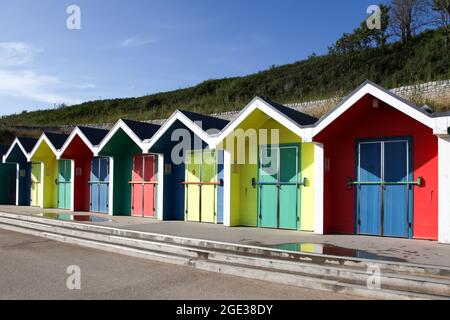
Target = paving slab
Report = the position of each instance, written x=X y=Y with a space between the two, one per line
x=36 y=268
x=404 y=250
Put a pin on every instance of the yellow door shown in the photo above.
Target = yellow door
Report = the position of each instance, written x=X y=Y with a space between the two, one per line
x=36 y=184
x=192 y=186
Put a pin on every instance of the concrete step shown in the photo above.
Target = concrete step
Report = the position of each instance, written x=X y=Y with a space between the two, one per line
x=156 y=256
x=437 y=287
x=313 y=258
x=235 y=269
x=392 y=281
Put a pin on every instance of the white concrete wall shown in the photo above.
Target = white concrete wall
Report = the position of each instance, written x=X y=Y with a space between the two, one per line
x=160 y=186
x=111 y=186
x=318 y=188
x=226 y=188
x=444 y=189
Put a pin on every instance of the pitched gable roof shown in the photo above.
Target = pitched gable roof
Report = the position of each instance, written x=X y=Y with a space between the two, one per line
x=291 y=119
x=94 y=135
x=378 y=92
x=27 y=143
x=300 y=118
x=143 y=130
x=56 y=139
x=136 y=131
x=3 y=149
x=207 y=122
x=190 y=120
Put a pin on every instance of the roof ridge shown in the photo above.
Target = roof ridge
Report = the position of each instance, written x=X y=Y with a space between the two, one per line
x=271 y=102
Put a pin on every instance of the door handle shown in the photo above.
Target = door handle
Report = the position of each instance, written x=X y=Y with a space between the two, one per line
x=304 y=182
x=350 y=183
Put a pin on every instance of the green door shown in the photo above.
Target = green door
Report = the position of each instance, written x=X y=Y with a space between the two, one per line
x=268 y=188
x=288 y=190
x=64 y=183
x=208 y=187
x=279 y=187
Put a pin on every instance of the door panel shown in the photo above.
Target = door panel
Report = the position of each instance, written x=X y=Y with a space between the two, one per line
x=220 y=173
x=370 y=195
x=149 y=192
x=144 y=193
x=64 y=184
x=193 y=169
x=94 y=186
x=35 y=184
x=8 y=174
x=288 y=193
x=99 y=184
x=268 y=213
x=396 y=196
x=150 y=201
x=104 y=185
x=137 y=188
x=104 y=197
x=25 y=184
x=61 y=189
x=384 y=195
x=208 y=196
x=104 y=169
x=94 y=192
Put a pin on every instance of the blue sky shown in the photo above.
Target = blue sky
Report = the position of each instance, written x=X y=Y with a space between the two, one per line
x=136 y=47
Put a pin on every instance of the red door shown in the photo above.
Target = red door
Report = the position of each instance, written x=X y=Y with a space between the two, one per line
x=143 y=200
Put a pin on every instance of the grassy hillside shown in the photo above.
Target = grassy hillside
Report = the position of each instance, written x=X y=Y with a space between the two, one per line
x=424 y=59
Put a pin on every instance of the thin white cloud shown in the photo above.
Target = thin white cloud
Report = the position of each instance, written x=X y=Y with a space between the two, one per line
x=16 y=53
x=28 y=84
x=86 y=85
x=135 y=42
x=18 y=79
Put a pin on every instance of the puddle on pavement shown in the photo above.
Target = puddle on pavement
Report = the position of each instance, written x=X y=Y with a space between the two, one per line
x=72 y=217
x=332 y=250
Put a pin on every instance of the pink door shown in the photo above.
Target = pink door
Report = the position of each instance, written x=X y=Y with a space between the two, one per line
x=143 y=186
x=149 y=165
x=137 y=178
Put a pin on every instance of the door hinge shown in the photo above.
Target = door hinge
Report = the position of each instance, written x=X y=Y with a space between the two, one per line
x=359 y=222
x=409 y=225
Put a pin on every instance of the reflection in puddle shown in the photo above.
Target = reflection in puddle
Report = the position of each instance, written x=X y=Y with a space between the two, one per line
x=328 y=249
x=72 y=217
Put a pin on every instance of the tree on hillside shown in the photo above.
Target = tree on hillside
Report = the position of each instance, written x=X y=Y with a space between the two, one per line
x=442 y=8
x=363 y=38
x=442 y=5
x=408 y=17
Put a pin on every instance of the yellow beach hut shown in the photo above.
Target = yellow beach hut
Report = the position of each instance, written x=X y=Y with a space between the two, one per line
x=44 y=170
x=268 y=168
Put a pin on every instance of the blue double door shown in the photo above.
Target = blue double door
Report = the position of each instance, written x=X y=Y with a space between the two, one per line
x=99 y=185
x=384 y=190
